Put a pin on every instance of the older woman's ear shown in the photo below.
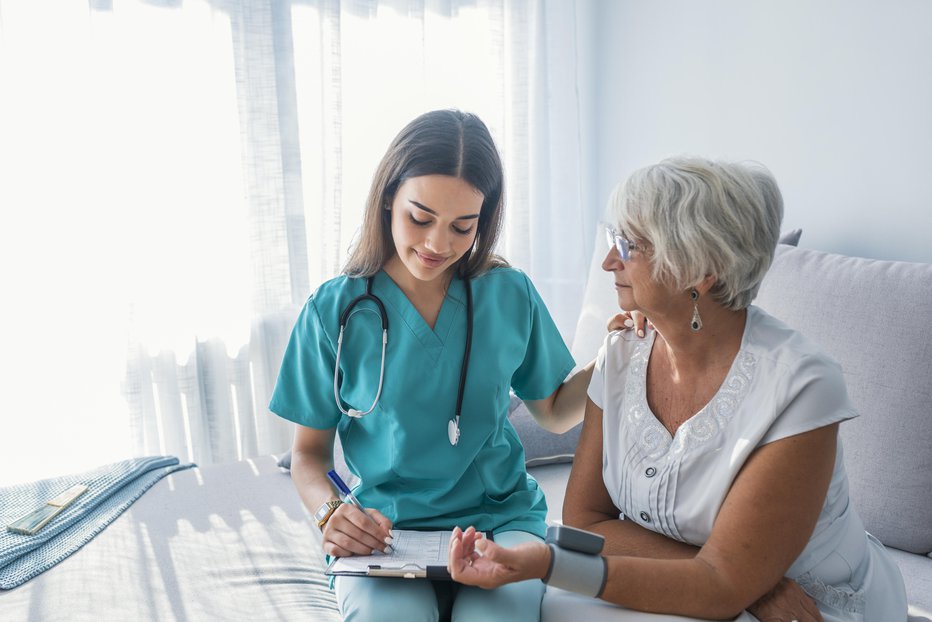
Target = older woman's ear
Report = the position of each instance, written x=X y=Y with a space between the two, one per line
x=705 y=284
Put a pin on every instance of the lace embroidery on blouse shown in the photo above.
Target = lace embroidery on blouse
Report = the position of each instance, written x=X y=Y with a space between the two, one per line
x=653 y=439
x=844 y=599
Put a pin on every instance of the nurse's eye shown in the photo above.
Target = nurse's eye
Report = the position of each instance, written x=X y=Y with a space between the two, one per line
x=419 y=223
x=460 y=231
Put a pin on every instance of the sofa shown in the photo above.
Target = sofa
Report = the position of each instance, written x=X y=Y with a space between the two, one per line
x=874 y=318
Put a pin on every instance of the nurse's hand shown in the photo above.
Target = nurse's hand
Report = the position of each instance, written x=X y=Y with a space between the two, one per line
x=633 y=320
x=474 y=560
x=350 y=532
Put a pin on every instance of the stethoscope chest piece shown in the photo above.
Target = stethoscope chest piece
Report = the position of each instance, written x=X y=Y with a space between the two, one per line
x=453 y=431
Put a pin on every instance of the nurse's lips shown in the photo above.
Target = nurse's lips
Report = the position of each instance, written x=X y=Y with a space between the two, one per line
x=620 y=285
x=431 y=261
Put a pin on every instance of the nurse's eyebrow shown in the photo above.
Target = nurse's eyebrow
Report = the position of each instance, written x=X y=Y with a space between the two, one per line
x=430 y=211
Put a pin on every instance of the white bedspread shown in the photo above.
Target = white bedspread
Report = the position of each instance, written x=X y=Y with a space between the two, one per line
x=223 y=542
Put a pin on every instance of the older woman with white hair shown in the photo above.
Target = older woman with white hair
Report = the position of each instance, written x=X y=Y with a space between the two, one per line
x=709 y=458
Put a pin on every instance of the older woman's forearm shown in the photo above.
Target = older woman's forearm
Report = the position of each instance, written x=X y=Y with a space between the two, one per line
x=624 y=537
x=683 y=587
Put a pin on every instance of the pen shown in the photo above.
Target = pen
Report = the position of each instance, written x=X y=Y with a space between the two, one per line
x=349 y=497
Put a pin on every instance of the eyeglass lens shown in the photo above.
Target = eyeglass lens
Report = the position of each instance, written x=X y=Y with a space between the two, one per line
x=618 y=242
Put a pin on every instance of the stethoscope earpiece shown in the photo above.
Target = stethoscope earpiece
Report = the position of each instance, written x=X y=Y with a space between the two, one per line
x=453 y=431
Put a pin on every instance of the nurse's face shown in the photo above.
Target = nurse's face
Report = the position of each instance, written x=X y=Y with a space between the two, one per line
x=434 y=220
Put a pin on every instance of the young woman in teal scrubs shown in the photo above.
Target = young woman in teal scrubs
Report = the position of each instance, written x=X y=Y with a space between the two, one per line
x=432 y=220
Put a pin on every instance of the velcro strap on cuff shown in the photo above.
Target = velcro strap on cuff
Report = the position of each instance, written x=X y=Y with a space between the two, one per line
x=576 y=572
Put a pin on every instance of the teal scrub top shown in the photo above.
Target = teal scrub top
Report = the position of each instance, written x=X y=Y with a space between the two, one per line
x=408 y=469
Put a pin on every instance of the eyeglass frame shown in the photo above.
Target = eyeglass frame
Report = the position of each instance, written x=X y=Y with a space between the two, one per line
x=620 y=242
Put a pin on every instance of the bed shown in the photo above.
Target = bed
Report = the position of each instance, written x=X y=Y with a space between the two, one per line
x=224 y=542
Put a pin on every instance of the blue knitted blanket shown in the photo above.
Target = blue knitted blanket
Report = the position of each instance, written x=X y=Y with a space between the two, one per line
x=111 y=489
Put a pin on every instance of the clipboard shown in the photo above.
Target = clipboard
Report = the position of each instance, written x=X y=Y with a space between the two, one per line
x=417 y=555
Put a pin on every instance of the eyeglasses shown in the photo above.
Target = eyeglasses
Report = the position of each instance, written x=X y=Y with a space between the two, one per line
x=623 y=244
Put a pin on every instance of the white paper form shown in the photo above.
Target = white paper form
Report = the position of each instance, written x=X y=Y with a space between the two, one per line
x=414 y=552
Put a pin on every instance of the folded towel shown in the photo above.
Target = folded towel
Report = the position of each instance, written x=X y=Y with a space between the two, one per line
x=111 y=489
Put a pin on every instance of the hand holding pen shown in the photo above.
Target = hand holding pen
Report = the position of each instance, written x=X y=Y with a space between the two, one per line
x=348 y=533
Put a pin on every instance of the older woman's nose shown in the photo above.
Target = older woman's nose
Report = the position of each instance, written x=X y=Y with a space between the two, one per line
x=612 y=260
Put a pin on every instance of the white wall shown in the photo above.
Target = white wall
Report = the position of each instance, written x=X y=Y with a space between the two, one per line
x=834 y=96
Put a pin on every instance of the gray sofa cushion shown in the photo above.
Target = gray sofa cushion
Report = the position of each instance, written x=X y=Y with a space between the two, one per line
x=874 y=318
x=917 y=574
x=540 y=446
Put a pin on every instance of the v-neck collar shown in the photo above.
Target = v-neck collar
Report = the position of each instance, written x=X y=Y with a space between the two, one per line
x=432 y=339
x=732 y=389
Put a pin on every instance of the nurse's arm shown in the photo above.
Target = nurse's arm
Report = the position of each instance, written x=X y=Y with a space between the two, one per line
x=348 y=531
x=311 y=458
x=565 y=407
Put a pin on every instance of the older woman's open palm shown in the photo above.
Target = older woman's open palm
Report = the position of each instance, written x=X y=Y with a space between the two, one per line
x=475 y=560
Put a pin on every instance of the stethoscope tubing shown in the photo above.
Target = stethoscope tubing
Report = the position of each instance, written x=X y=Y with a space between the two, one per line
x=352 y=412
x=348 y=312
x=464 y=369
x=344 y=320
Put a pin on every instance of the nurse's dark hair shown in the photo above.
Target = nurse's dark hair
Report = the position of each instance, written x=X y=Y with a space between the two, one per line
x=441 y=142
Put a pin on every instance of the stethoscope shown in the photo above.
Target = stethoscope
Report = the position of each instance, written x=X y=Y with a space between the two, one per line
x=453 y=427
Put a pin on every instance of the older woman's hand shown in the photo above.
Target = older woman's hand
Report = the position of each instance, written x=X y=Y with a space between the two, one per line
x=633 y=320
x=786 y=602
x=474 y=560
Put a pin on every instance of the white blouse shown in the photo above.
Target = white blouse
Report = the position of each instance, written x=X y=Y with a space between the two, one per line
x=780 y=384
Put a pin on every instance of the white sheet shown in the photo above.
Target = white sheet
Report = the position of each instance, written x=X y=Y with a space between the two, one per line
x=226 y=542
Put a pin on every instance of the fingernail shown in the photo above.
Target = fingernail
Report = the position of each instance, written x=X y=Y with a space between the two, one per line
x=629 y=323
x=389 y=540
x=387 y=550
x=640 y=332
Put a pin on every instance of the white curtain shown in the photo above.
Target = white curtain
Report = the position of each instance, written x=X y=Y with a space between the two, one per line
x=177 y=176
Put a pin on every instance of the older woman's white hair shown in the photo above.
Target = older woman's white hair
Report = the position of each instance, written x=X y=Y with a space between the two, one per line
x=699 y=217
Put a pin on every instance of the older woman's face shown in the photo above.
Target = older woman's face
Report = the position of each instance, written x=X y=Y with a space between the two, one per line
x=634 y=284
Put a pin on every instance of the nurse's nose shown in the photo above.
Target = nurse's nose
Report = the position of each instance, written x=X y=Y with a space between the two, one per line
x=438 y=241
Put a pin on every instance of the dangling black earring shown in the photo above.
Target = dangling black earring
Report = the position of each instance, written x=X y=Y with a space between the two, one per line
x=696 y=324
